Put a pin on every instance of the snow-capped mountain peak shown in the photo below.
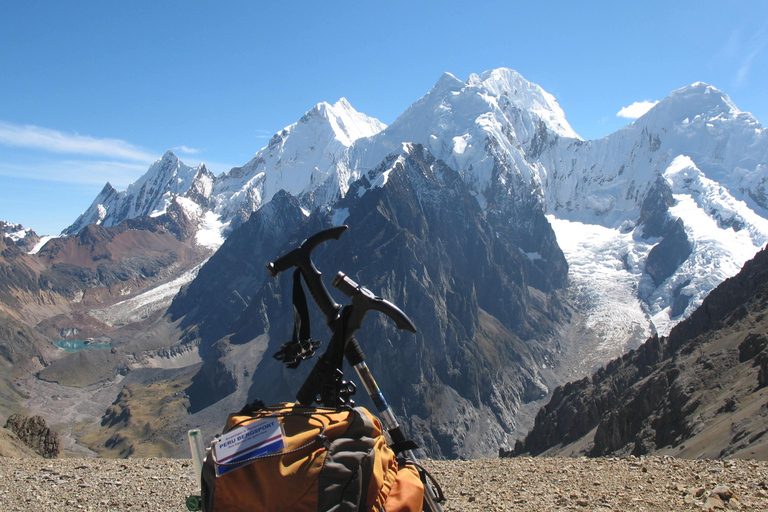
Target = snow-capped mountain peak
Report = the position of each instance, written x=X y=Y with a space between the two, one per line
x=151 y=194
x=347 y=124
x=167 y=177
x=491 y=128
x=304 y=159
x=525 y=95
x=447 y=83
x=697 y=102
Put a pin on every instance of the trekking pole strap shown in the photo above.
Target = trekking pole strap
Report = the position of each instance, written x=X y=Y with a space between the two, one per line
x=301 y=346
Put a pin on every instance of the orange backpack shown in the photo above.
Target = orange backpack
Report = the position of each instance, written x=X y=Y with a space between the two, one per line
x=298 y=458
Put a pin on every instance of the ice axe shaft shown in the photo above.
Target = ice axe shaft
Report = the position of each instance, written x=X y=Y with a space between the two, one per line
x=432 y=499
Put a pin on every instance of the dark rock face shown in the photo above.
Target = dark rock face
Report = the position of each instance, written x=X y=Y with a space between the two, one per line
x=421 y=241
x=762 y=376
x=752 y=345
x=34 y=432
x=662 y=394
x=18 y=342
x=668 y=254
x=654 y=213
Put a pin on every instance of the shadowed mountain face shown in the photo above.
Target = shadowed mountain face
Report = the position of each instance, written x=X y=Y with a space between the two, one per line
x=226 y=284
x=419 y=239
x=699 y=393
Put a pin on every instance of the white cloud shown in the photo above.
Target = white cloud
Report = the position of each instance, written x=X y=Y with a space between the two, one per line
x=94 y=172
x=637 y=109
x=187 y=150
x=54 y=141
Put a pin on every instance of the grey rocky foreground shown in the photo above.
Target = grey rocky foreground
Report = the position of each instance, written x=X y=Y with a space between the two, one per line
x=524 y=484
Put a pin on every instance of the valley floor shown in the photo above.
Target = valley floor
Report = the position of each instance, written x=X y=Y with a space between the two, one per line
x=522 y=484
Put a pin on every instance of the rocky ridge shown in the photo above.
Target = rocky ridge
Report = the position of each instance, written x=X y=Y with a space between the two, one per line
x=700 y=392
x=35 y=433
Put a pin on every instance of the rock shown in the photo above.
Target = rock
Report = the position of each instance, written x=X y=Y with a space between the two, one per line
x=762 y=374
x=34 y=432
x=713 y=503
x=654 y=213
x=668 y=254
x=723 y=491
x=753 y=344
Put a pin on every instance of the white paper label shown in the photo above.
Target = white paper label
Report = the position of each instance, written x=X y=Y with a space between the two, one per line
x=258 y=438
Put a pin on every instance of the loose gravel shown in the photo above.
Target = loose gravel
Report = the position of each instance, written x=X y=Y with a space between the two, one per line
x=520 y=484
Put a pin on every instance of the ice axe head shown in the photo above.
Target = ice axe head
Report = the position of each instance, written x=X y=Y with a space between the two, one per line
x=363 y=300
x=301 y=257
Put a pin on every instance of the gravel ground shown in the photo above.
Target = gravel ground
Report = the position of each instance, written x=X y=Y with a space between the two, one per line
x=522 y=484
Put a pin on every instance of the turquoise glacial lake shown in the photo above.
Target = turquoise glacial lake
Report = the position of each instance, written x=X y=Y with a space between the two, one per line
x=75 y=345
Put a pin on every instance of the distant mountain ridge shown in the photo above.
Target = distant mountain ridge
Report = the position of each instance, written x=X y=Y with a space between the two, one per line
x=299 y=159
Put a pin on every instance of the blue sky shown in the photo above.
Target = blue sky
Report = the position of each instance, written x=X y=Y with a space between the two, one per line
x=95 y=91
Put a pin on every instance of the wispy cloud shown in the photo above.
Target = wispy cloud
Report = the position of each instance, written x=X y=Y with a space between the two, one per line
x=637 y=109
x=752 y=49
x=93 y=172
x=263 y=134
x=54 y=141
x=739 y=53
x=187 y=150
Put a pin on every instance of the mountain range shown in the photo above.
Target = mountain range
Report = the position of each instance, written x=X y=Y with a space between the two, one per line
x=525 y=255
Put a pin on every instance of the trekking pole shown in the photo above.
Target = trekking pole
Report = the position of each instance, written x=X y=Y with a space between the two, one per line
x=356 y=358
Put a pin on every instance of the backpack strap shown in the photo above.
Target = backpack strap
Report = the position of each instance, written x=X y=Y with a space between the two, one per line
x=426 y=475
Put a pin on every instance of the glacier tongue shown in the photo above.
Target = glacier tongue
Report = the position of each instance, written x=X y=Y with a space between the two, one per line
x=605 y=267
